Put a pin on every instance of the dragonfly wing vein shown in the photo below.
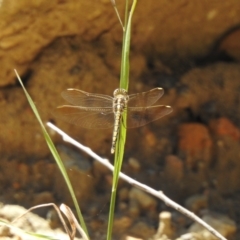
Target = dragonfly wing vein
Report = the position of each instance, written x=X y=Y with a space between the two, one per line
x=85 y=99
x=145 y=99
x=140 y=116
x=86 y=117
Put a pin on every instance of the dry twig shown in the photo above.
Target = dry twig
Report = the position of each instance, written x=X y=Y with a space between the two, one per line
x=143 y=187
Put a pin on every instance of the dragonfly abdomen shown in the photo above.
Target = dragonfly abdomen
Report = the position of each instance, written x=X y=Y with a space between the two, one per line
x=119 y=104
x=115 y=131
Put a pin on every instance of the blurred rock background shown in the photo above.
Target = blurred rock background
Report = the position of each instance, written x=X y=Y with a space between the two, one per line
x=190 y=48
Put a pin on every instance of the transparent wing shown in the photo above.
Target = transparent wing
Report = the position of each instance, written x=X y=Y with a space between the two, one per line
x=139 y=116
x=85 y=99
x=145 y=99
x=96 y=118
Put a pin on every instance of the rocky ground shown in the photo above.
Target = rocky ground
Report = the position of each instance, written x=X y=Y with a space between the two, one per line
x=189 y=48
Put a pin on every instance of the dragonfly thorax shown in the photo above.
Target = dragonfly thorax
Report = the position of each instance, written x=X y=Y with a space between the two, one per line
x=120 y=100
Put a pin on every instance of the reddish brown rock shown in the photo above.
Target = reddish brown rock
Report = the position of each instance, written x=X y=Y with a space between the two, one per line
x=195 y=144
x=224 y=127
x=230 y=44
x=174 y=168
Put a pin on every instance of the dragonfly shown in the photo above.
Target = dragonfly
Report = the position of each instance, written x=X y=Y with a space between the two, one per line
x=98 y=111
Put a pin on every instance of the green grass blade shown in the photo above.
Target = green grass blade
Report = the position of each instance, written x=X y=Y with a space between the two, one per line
x=124 y=77
x=124 y=82
x=55 y=155
x=124 y=61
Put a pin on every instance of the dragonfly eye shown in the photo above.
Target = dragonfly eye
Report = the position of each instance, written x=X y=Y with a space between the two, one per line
x=119 y=91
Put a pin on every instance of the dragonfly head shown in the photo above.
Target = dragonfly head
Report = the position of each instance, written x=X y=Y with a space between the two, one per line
x=119 y=91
